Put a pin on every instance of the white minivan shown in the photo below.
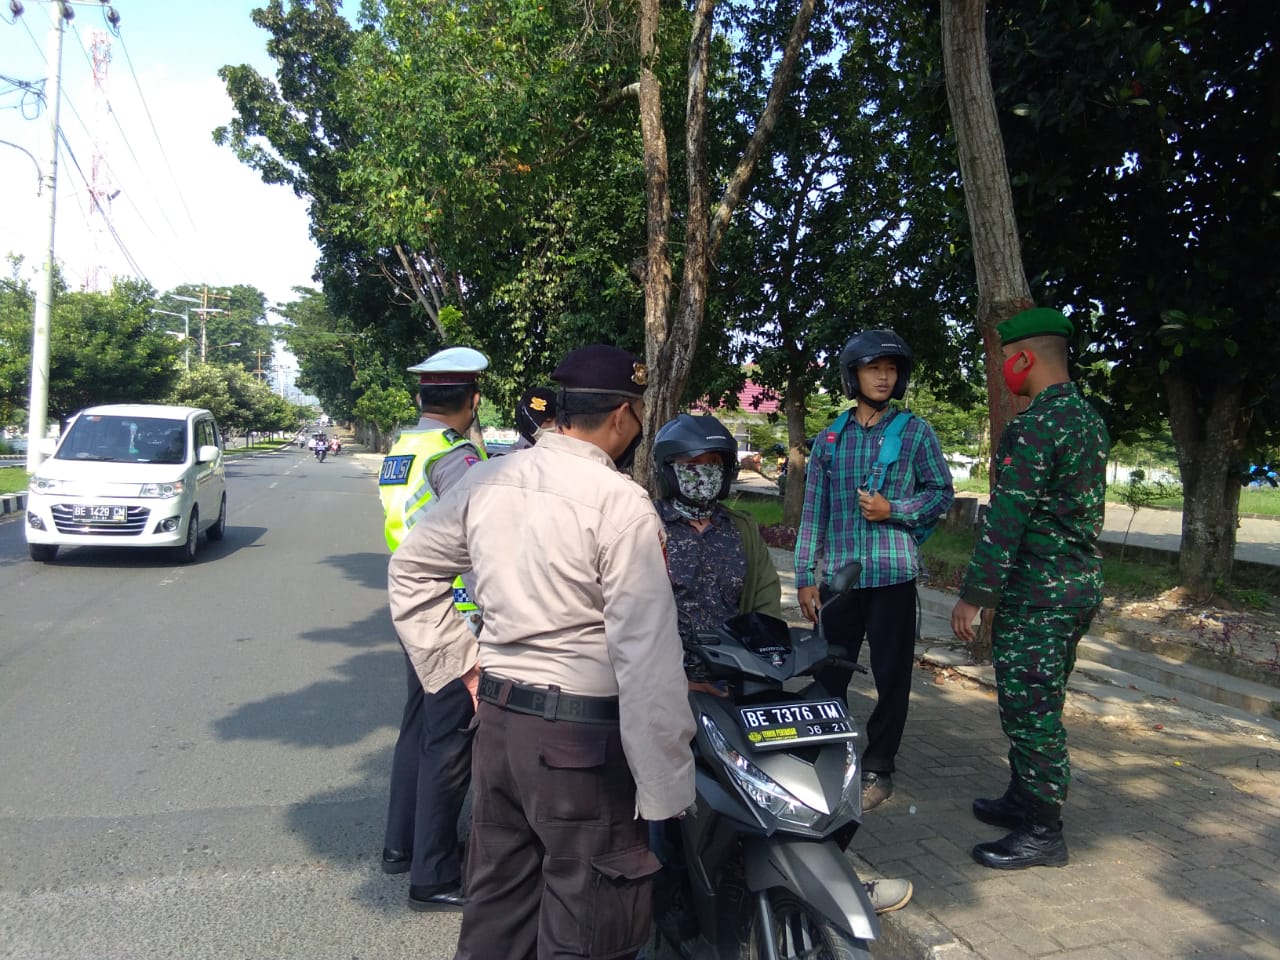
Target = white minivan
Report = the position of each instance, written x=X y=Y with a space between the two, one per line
x=130 y=475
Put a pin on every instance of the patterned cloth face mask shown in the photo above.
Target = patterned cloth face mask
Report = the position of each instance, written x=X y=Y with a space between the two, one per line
x=699 y=484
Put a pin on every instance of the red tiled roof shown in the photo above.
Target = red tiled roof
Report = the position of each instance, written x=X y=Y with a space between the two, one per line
x=754 y=398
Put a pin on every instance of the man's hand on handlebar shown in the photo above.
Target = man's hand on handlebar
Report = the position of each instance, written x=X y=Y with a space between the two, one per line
x=809 y=602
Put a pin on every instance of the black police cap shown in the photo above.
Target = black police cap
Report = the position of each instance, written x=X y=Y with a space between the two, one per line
x=601 y=368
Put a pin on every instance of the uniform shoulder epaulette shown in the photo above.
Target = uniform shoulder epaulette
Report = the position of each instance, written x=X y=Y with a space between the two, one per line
x=452 y=435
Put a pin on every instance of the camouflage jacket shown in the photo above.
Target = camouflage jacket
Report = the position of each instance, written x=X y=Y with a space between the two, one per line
x=1038 y=544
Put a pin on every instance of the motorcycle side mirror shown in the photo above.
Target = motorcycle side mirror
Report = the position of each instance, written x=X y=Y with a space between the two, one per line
x=846 y=577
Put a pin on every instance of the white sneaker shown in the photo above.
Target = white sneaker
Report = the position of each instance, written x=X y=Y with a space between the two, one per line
x=888 y=895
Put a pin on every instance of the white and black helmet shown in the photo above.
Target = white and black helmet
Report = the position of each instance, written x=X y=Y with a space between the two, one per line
x=690 y=436
x=871 y=345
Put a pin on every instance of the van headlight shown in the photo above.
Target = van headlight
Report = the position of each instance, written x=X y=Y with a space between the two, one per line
x=162 y=491
x=763 y=790
x=46 y=485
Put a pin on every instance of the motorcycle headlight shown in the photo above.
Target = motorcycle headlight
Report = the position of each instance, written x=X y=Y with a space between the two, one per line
x=850 y=768
x=764 y=791
x=45 y=485
x=163 y=491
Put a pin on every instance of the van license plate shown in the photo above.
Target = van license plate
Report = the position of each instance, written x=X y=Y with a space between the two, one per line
x=99 y=513
x=787 y=724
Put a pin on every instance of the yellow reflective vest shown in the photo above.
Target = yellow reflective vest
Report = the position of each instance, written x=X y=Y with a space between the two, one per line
x=404 y=486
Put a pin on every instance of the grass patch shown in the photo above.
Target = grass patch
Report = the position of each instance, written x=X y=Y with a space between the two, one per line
x=767 y=511
x=13 y=479
x=1263 y=501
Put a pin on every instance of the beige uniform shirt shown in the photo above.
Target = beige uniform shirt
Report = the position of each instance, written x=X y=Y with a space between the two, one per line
x=567 y=555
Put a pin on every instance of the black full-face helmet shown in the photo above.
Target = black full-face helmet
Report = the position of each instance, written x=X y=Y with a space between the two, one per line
x=690 y=436
x=871 y=345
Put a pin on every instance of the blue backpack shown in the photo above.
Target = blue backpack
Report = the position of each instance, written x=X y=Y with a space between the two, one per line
x=890 y=450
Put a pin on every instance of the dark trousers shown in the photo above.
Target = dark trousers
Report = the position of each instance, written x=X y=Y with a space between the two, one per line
x=558 y=866
x=430 y=773
x=886 y=618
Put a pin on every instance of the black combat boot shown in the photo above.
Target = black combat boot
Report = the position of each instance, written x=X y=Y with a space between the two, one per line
x=1037 y=842
x=1008 y=811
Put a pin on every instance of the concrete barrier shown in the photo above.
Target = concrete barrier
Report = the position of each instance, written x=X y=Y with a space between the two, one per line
x=13 y=502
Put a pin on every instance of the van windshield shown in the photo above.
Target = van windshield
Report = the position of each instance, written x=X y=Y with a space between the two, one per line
x=125 y=439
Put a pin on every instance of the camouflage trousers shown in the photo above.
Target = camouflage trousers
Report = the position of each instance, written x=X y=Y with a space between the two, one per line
x=1034 y=652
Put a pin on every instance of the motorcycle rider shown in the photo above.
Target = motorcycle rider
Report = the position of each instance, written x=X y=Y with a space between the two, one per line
x=717 y=559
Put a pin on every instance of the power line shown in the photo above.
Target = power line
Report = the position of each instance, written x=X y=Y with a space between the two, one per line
x=147 y=109
x=133 y=264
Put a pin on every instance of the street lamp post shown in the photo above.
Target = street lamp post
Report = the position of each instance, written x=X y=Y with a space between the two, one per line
x=185 y=317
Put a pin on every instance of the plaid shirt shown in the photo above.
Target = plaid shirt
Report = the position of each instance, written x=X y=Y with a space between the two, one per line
x=917 y=486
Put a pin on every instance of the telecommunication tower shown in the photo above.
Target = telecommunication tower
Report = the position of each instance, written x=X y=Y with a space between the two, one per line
x=97 y=276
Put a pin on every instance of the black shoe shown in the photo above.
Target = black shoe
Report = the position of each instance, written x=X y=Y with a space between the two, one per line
x=1031 y=845
x=440 y=897
x=876 y=789
x=395 y=861
x=1009 y=811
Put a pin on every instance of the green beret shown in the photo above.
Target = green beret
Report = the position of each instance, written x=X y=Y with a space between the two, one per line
x=1036 y=322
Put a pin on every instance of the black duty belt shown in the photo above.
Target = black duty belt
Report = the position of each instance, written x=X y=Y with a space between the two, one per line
x=547 y=702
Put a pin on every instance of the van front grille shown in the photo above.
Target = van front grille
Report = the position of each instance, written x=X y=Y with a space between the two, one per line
x=64 y=520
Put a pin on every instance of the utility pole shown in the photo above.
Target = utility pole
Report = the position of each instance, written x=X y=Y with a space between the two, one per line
x=38 y=408
x=60 y=11
x=203 y=309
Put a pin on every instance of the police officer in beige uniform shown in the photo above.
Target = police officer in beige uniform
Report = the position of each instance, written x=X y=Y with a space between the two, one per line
x=583 y=726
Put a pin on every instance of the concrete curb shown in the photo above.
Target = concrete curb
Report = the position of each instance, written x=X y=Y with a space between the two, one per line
x=13 y=503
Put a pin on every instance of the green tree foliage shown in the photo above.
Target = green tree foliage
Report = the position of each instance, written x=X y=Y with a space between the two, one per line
x=232 y=328
x=1143 y=142
x=847 y=225
x=386 y=408
x=103 y=348
x=239 y=401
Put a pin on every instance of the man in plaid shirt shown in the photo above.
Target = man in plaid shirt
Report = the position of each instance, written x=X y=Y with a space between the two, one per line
x=844 y=521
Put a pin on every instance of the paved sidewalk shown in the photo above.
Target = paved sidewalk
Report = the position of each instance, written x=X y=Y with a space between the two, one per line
x=1173 y=825
x=1174 y=835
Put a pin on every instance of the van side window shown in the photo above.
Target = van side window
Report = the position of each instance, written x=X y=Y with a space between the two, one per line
x=207 y=434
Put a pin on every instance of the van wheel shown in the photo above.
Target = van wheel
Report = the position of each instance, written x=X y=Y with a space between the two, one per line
x=187 y=552
x=43 y=552
x=215 y=532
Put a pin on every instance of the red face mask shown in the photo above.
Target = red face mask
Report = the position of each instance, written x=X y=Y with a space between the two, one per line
x=1015 y=380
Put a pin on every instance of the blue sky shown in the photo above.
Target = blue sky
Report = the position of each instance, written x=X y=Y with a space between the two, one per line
x=187 y=211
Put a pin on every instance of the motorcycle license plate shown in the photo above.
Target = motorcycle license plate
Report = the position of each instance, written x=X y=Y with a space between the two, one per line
x=787 y=724
x=98 y=513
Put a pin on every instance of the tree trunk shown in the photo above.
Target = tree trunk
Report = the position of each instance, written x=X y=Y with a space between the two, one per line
x=997 y=251
x=793 y=406
x=1210 y=444
x=657 y=268
x=669 y=348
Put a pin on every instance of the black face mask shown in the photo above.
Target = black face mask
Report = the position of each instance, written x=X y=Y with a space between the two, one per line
x=628 y=456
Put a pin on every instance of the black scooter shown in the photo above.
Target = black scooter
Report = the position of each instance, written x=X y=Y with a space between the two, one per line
x=759 y=871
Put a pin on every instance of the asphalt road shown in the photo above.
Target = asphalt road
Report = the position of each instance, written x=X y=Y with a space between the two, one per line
x=194 y=760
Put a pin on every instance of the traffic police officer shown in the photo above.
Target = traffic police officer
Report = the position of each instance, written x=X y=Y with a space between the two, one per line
x=432 y=763
x=1037 y=563
x=583 y=720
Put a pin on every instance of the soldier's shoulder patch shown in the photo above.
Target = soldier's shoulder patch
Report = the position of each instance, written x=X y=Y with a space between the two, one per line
x=396 y=469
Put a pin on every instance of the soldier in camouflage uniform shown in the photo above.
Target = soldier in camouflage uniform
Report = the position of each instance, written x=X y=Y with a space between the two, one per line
x=1037 y=564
